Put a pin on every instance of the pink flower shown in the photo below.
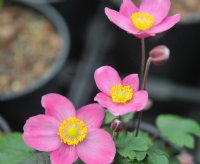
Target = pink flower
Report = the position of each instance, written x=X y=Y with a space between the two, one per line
x=147 y=20
x=68 y=134
x=119 y=96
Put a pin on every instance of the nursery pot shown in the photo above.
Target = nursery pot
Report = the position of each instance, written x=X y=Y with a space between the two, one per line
x=17 y=107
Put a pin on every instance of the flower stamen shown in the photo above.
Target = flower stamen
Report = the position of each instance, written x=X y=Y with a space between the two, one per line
x=72 y=131
x=142 y=20
x=121 y=93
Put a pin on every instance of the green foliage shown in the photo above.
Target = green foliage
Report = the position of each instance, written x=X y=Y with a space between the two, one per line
x=127 y=117
x=129 y=141
x=140 y=156
x=13 y=150
x=37 y=158
x=157 y=157
x=131 y=147
x=109 y=117
x=178 y=130
x=139 y=150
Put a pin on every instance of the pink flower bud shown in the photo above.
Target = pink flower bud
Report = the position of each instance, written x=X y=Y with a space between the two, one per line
x=116 y=125
x=159 y=55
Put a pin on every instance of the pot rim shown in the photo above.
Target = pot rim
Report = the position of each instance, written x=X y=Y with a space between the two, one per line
x=62 y=29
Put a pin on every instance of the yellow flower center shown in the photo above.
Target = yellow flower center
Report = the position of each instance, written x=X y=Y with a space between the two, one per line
x=72 y=131
x=142 y=21
x=121 y=93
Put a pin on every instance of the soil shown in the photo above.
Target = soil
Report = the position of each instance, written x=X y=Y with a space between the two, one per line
x=29 y=45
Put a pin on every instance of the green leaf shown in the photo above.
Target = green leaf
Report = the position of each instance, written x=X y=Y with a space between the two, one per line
x=108 y=117
x=121 y=160
x=157 y=157
x=127 y=144
x=140 y=143
x=107 y=128
x=173 y=160
x=127 y=153
x=127 y=117
x=13 y=150
x=178 y=130
x=140 y=156
x=37 y=158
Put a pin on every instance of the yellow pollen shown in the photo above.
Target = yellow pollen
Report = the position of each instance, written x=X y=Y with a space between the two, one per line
x=121 y=93
x=72 y=131
x=142 y=21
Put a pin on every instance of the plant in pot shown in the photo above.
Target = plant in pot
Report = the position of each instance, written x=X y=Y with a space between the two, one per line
x=66 y=134
x=34 y=42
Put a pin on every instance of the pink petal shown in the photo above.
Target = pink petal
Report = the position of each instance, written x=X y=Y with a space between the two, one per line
x=158 y=8
x=64 y=155
x=128 y=8
x=58 y=106
x=136 y=104
x=121 y=21
x=40 y=132
x=106 y=77
x=166 y=24
x=132 y=80
x=97 y=148
x=92 y=115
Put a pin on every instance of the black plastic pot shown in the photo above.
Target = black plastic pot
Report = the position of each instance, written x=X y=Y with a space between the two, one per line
x=18 y=107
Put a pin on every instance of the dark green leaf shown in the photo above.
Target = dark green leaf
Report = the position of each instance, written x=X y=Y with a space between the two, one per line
x=157 y=157
x=107 y=128
x=178 y=130
x=13 y=150
x=121 y=160
x=173 y=161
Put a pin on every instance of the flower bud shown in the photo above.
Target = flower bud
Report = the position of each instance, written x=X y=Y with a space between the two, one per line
x=116 y=125
x=159 y=55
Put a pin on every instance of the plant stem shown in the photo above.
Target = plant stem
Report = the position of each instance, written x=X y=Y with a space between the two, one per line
x=142 y=61
x=143 y=87
x=141 y=81
x=138 y=123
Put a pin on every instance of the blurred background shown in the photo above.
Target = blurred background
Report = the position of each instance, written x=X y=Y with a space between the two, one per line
x=56 y=45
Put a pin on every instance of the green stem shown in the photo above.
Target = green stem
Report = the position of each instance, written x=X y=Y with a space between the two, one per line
x=142 y=66
x=143 y=87
x=141 y=81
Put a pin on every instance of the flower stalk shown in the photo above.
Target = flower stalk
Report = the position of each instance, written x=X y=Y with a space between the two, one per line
x=143 y=78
